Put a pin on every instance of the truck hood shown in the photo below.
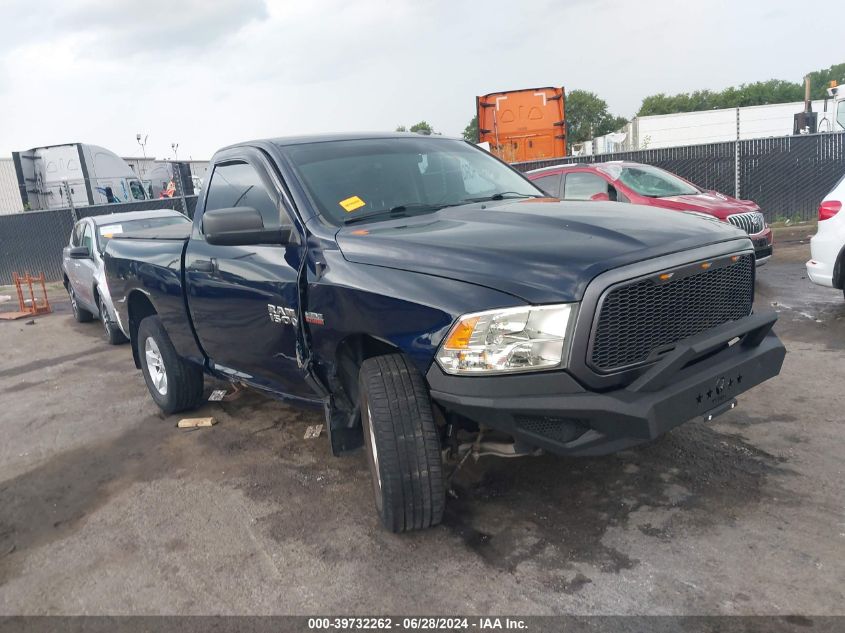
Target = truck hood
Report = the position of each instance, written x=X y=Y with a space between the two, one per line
x=542 y=251
x=710 y=202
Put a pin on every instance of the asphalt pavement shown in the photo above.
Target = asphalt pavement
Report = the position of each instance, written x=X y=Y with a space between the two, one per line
x=107 y=508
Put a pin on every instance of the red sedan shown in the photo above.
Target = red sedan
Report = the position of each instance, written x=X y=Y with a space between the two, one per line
x=654 y=187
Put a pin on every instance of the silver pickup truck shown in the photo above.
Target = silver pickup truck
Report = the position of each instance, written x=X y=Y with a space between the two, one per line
x=82 y=263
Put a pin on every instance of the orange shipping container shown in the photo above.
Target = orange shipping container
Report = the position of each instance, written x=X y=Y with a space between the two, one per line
x=523 y=125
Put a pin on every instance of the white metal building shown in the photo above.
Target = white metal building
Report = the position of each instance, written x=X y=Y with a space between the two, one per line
x=10 y=197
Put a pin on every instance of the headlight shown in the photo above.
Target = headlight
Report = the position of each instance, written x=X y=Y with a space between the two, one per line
x=527 y=338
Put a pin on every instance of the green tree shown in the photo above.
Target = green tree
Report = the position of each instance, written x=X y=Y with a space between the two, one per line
x=587 y=116
x=471 y=130
x=757 y=93
x=401 y=128
x=820 y=80
x=422 y=128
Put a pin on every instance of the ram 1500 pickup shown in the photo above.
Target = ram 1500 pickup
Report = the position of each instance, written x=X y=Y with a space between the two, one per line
x=436 y=304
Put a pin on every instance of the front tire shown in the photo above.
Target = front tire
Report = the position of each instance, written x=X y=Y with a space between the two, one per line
x=79 y=313
x=113 y=334
x=174 y=383
x=402 y=444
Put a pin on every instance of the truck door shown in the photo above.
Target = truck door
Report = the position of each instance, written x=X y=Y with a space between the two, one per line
x=84 y=271
x=243 y=300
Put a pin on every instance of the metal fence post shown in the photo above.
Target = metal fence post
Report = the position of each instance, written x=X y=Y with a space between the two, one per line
x=72 y=206
x=180 y=187
x=736 y=158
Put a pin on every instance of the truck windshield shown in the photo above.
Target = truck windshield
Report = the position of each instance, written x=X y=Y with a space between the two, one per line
x=106 y=231
x=374 y=177
x=653 y=182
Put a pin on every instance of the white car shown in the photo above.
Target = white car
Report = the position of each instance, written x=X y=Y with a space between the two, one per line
x=827 y=247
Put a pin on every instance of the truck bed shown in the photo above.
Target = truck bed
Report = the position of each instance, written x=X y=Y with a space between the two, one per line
x=146 y=265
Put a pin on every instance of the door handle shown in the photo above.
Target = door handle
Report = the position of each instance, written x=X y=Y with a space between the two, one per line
x=203 y=265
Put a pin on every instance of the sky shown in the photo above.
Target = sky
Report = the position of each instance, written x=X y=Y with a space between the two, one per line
x=207 y=73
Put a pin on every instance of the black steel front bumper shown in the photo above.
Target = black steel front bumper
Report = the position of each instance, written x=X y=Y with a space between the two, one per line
x=551 y=410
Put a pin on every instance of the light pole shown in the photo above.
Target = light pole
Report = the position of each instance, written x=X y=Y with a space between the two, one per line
x=175 y=148
x=143 y=145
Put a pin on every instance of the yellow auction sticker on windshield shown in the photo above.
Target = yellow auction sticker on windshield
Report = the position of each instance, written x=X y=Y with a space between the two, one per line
x=350 y=204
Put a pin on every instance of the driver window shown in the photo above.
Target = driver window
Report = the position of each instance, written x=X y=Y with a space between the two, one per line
x=840 y=114
x=238 y=184
x=137 y=190
x=76 y=236
x=87 y=240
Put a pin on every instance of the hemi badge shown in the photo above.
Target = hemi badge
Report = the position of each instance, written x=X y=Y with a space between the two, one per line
x=314 y=318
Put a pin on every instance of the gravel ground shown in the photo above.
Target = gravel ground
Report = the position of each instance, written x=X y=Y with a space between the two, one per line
x=107 y=508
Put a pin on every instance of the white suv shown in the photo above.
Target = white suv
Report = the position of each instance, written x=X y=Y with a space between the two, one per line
x=827 y=247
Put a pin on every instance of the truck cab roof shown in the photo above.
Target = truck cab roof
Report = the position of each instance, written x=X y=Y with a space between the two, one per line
x=284 y=141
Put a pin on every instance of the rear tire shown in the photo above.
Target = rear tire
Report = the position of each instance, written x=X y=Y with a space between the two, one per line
x=113 y=334
x=402 y=444
x=174 y=383
x=79 y=313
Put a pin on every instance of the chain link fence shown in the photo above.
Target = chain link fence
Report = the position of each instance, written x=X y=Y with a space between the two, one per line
x=32 y=241
x=787 y=176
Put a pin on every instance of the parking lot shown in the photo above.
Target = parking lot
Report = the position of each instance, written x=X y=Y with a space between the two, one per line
x=107 y=507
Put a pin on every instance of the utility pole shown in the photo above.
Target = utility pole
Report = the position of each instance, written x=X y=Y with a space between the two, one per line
x=175 y=148
x=70 y=200
x=736 y=157
x=143 y=145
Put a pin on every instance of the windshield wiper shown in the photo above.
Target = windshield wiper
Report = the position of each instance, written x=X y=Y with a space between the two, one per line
x=503 y=195
x=399 y=211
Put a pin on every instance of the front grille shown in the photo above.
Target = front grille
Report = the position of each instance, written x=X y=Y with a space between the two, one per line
x=641 y=318
x=752 y=223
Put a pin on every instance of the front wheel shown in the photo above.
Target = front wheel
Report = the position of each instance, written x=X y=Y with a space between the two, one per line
x=113 y=334
x=402 y=444
x=79 y=313
x=174 y=383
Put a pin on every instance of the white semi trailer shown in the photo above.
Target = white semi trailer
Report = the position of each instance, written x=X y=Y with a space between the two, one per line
x=715 y=126
x=89 y=174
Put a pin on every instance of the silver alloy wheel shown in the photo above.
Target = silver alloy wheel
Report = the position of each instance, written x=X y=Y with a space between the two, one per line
x=104 y=317
x=155 y=365
x=373 y=444
x=74 y=306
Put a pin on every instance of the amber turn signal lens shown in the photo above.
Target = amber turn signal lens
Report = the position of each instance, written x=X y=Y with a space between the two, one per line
x=460 y=334
x=706 y=265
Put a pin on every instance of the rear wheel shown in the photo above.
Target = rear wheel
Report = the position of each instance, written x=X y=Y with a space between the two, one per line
x=113 y=334
x=402 y=444
x=79 y=313
x=174 y=383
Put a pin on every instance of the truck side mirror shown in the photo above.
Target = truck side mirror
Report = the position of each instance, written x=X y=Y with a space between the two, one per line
x=240 y=226
x=79 y=252
x=600 y=196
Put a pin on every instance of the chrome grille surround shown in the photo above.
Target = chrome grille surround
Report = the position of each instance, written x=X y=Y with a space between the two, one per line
x=752 y=222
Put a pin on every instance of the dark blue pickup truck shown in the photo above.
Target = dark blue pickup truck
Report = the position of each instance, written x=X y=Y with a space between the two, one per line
x=436 y=304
